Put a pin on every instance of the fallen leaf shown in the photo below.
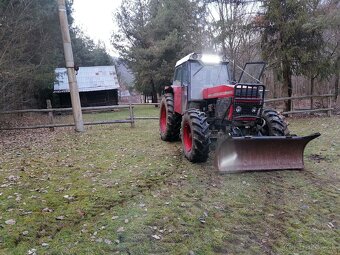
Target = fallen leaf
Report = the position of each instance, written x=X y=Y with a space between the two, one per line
x=10 y=222
x=121 y=229
x=156 y=237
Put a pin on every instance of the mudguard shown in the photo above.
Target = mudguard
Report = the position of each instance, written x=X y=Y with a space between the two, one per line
x=258 y=153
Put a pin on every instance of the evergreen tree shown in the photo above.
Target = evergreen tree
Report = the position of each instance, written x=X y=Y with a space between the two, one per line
x=154 y=35
x=86 y=52
x=286 y=40
x=31 y=49
x=324 y=61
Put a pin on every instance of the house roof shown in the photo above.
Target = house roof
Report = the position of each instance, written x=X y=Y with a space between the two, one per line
x=94 y=78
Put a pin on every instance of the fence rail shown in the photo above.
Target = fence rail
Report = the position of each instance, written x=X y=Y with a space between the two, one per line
x=95 y=108
x=328 y=109
x=132 y=118
x=297 y=97
x=52 y=125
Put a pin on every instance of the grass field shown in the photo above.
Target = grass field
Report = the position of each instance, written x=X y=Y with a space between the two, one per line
x=117 y=190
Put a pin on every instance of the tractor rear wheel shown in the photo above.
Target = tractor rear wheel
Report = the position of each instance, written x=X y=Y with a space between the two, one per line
x=169 y=120
x=195 y=136
x=275 y=125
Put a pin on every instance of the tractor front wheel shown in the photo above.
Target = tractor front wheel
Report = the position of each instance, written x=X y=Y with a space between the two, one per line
x=169 y=120
x=275 y=125
x=195 y=136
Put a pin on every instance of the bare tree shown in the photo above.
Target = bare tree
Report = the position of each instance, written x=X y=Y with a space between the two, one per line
x=25 y=49
x=232 y=30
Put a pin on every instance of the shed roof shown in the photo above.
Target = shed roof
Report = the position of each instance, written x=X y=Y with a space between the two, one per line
x=94 y=78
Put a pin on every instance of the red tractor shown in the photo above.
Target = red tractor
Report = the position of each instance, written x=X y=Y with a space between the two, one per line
x=205 y=104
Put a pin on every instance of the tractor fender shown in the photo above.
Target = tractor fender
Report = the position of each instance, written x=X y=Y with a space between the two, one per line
x=168 y=89
x=177 y=92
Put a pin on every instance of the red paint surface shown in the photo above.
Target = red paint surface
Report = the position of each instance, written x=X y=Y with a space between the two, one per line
x=245 y=119
x=253 y=101
x=178 y=98
x=218 y=92
x=231 y=110
x=187 y=137
x=163 y=119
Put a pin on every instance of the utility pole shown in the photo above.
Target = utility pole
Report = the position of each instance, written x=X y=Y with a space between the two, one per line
x=72 y=80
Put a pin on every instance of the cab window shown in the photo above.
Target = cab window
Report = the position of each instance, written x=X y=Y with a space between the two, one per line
x=185 y=74
x=178 y=76
x=207 y=76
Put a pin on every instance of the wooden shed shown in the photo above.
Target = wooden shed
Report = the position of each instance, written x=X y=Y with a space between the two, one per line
x=98 y=86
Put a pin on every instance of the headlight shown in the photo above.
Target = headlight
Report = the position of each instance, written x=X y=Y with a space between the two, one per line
x=253 y=110
x=238 y=109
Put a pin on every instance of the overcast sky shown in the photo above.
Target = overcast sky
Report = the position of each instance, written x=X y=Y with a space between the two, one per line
x=95 y=18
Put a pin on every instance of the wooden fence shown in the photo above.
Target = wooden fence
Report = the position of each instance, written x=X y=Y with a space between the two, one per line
x=328 y=109
x=52 y=124
x=131 y=119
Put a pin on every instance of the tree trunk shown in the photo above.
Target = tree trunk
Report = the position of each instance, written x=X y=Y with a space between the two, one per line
x=153 y=92
x=275 y=81
x=312 y=93
x=336 y=86
x=287 y=84
x=336 y=83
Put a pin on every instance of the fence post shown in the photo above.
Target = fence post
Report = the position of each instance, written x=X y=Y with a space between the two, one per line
x=50 y=114
x=329 y=105
x=131 y=116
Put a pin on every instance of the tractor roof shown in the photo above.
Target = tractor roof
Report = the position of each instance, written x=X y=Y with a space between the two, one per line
x=185 y=59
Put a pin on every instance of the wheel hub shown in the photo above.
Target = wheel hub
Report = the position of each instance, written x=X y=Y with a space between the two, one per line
x=163 y=120
x=187 y=137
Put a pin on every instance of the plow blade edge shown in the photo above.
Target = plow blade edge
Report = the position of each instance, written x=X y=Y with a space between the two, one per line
x=261 y=153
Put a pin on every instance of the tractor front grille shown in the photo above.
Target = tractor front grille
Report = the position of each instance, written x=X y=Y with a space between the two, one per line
x=249 y=91
x=248 y=100
x=247 y=109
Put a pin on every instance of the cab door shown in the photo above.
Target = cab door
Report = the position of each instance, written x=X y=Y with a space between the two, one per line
x=180 y=87
x=252 y=72
x=177 y=88
x=185 y=86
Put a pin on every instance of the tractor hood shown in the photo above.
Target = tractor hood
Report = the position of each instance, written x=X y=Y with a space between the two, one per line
x=218 y=92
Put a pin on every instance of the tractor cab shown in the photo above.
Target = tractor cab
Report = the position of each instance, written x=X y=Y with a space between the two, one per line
x=196 y=72
x=201 y=80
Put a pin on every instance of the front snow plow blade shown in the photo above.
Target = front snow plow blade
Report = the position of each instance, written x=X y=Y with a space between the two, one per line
x=253 y=153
